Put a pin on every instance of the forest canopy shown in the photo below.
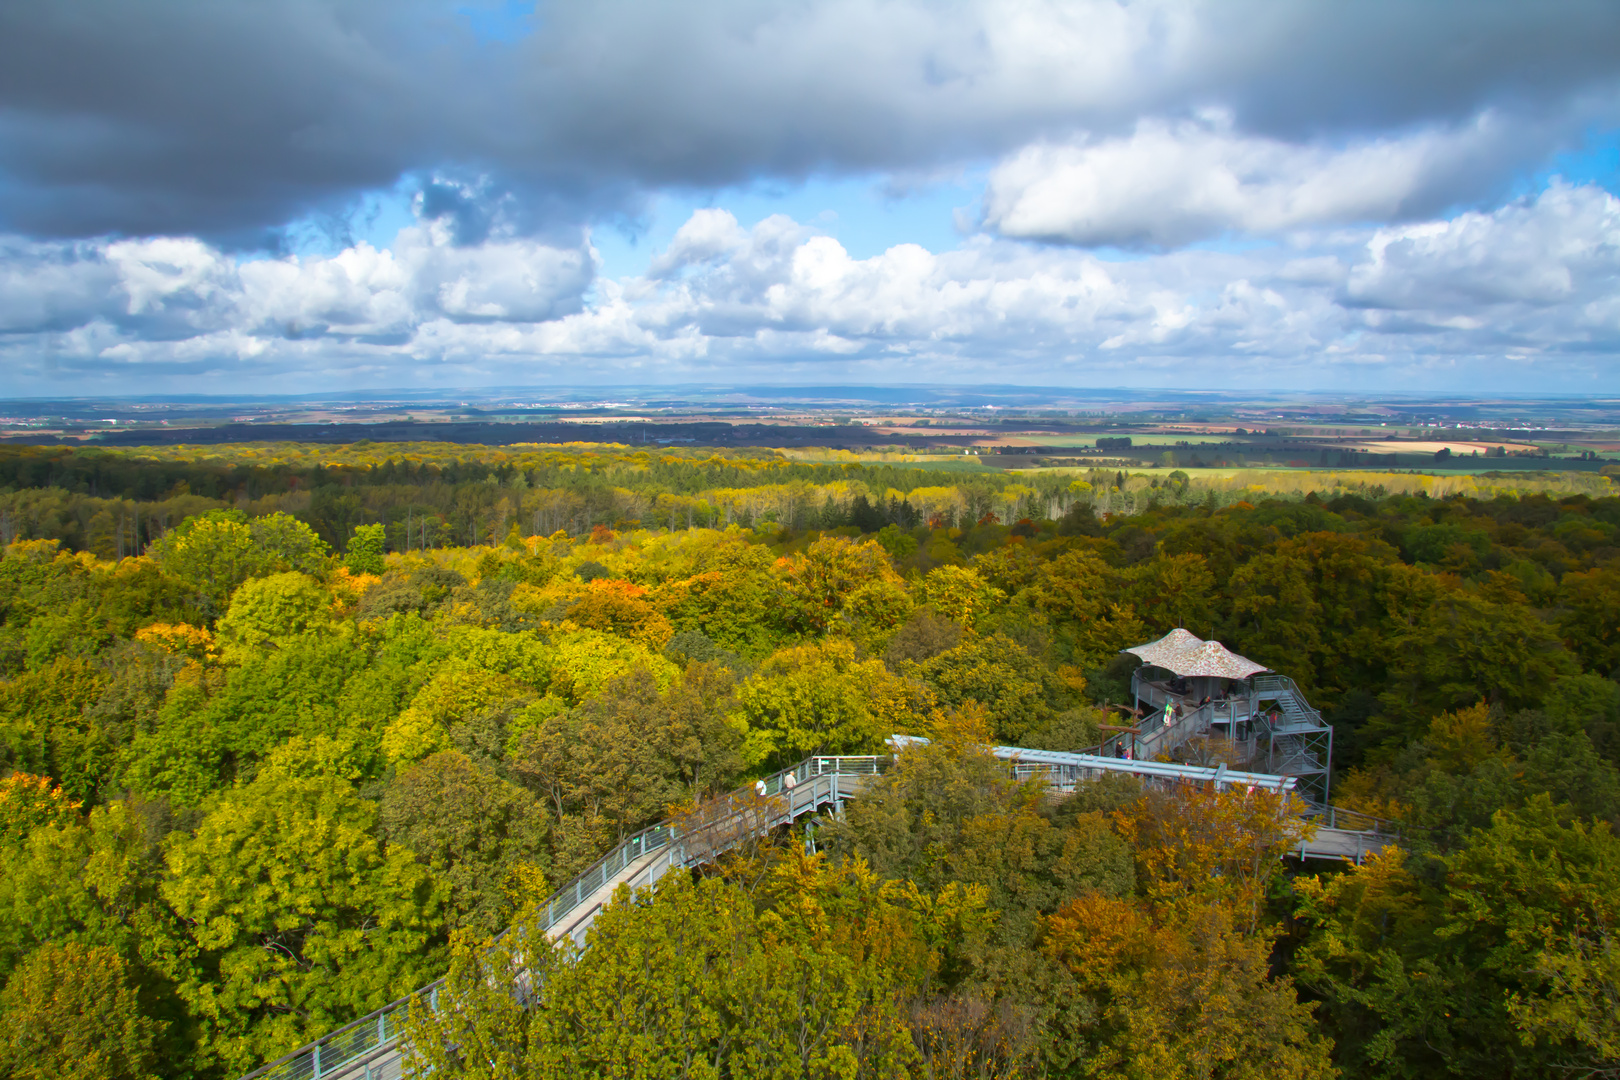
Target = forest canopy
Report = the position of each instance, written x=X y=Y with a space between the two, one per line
x=285 y=736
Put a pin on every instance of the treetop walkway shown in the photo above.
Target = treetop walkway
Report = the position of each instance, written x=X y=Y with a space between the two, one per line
x=368 y=1048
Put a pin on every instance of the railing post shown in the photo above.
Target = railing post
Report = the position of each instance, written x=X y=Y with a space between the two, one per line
x=317 y=1058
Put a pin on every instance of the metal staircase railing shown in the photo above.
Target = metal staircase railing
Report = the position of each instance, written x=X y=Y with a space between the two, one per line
x=1286 y=693
x=1302 y=743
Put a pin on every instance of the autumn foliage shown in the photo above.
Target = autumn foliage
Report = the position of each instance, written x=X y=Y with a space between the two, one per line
x=288 y=732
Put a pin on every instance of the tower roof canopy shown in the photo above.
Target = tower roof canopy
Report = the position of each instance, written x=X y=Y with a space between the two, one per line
x=1186 y=655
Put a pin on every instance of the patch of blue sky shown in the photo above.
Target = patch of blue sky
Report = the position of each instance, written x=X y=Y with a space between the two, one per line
x=1229 y=244
x=382 y=214
x=866 y=214
x=1596 y=162
x=500 y=20
x=375 y=218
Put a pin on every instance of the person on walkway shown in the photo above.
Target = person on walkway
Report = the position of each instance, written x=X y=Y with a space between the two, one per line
x=789 y=782
x=759 y=788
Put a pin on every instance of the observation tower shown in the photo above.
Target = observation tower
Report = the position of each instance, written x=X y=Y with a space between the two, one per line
x=1196 y=698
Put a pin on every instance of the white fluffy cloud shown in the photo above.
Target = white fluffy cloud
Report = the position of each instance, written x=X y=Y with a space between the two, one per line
x=1562 y=248
x=1168 y=184
x=1534 y=282
x=181 y=288
x=708 y=234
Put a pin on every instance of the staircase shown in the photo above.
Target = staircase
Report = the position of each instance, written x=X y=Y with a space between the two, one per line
x=1300 y=743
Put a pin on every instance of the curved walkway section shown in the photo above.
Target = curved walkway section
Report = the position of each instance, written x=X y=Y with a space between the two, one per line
x=368 y=1049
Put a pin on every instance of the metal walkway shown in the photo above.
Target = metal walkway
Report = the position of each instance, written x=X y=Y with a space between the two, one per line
x=368 y=1048
x=1340 y=834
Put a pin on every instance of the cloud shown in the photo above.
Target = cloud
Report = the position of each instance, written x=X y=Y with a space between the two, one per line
x=227 y=121
x=1520 y=297
x=1535 y=275
x=708 y=234
x=166 y=291
x=1168 y=184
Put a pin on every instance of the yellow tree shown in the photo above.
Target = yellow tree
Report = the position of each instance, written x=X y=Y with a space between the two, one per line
x=1183 y=995
x=1197 y=845
x=821 y=699
x=816 y=583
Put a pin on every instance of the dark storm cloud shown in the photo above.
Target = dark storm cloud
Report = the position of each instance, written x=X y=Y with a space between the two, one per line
x=230 y=118
x=218 y=118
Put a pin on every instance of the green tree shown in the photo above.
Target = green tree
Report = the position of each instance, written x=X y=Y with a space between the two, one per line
x=999 y=674
x=1183 y=999
x=42 y=896
x=74 y=1010
x=1491 y=964
x=215 y=552
x=608 y=758
x=268 y=610
x=299 y=919
x=365 y=554
x=817 y=583
x=703 y=746
x=1589 y=617
x=820 y=699
x=1275 y=615
x=694 y=980
x=285 y=543
x=959 y=593
x=900 y=545
x=1455 y=648
x=1081 y=595
x=47 y=727
x=1587 y=703
x=1168 y=591
x=26 y=803
x=734 y=603
x=211 y=554
x=457 y=693
x=482 y=837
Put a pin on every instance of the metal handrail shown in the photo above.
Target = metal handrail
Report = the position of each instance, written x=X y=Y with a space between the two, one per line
x=374 y=1035
x=373 y=1032
x=1174 y=733
x=1280 y=687
x=1337 y=817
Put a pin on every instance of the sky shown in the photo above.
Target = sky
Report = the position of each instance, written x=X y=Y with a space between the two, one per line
x=238 y=197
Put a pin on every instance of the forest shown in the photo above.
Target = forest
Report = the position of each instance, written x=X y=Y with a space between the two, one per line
x=289 y=732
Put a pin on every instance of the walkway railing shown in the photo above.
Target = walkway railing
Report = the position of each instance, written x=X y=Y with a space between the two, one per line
x=1334 y=817
x=367 y=1048
x=348 y=1051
